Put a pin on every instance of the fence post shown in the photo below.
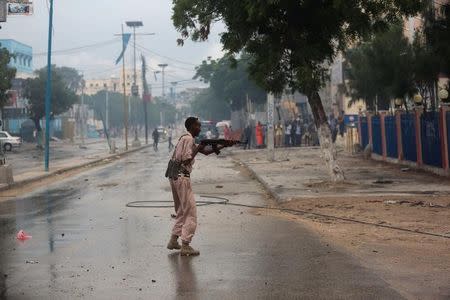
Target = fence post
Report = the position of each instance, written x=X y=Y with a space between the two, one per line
x=360 y=129
x=398 y=125
x=444 y=134
x=383 y=134
x=417 y=114
x=369 y=126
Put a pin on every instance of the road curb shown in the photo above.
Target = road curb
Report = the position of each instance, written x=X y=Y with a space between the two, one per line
x=264 y=183
x=104 y=160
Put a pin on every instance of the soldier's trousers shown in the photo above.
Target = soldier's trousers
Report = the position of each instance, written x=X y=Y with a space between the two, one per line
x=186 y=209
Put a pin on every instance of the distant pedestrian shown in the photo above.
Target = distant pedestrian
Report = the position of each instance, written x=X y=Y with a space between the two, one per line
x=155 y=136
x=227 y=132
x=169 y=137
x=259 y=135
x=298 y=133
x=293 y=129
x=287 y=134
x=247 y=137
x=341 y=123
x=278 y=135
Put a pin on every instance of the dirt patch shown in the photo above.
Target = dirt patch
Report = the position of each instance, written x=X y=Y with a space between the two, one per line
x=418 y=265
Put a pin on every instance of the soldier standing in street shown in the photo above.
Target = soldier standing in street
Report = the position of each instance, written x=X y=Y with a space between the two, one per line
x=183 y=196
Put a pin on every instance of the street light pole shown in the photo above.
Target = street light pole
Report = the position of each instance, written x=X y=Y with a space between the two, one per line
x=125 y=104
x=163 y=67
x=48 y=90
x=82 y=113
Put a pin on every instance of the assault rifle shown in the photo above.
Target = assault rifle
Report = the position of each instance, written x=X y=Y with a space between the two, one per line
x=216 y=142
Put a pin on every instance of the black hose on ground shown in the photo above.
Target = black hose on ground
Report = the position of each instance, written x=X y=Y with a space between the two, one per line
x=225 y=201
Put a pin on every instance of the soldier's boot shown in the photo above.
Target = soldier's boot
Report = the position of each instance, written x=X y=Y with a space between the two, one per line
x=187 y=250
x=173 y=243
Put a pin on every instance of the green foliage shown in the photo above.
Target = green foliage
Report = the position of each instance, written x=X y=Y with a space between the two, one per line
x=437 y=36
x=381 y=69
x=71 y=77
x=6 y=74
x=63 y=96
x=289 y=40
x=210 y=107
x=230 y=86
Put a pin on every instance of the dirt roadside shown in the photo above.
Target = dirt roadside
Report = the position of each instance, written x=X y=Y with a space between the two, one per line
x=417 y=265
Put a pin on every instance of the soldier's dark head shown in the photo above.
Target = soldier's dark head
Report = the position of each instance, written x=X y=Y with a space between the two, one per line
x=193 y=125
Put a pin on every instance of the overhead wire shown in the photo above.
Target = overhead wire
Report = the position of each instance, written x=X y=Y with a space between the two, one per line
x=80 y=48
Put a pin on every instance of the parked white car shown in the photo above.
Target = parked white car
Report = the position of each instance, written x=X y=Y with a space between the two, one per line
x=8 y=141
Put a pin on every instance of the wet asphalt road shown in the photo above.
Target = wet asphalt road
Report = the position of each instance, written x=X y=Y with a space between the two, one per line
x=88 y=244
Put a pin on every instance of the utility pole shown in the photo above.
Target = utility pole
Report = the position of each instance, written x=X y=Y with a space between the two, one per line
x=48 y=89
x=135 y=88
x=82 y=113
x=174 y=91
x=163 y=67
x=125 y=99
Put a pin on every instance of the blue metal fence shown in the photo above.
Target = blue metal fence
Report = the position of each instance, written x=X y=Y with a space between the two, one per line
x=391 y=136
x=448 y=132
x=376 y=135
x=409 y=137
x=364 y=132
x=431 y=139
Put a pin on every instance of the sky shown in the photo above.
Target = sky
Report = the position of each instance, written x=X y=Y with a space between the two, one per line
x=79 y=23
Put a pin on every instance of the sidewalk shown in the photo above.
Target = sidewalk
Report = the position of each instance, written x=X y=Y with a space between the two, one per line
x=374 y=192
x=28 y=161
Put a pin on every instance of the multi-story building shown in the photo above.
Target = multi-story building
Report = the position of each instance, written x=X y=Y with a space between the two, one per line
x=93 y=86
x=114 y=83
x=15 y=111
x=22 y=59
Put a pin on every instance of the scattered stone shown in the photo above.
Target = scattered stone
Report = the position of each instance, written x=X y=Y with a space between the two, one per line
x=390 y=202
x=32 y=262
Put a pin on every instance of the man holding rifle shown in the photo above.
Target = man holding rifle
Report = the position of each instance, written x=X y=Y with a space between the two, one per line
x=178 y=172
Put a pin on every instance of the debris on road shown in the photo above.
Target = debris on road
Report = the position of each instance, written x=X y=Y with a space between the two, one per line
x=22 y=236
x=32 y=262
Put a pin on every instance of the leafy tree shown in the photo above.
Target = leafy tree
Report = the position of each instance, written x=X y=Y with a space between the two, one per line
x=72 y=78
x=6 y=75
x=381 y=69
x=437 y=36
x=229 y=82
x=210 y=107
x=63 y=96
x=291 y=41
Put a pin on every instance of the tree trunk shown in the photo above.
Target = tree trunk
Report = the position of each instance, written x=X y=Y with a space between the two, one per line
x=37 y=125
x=328 y=148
